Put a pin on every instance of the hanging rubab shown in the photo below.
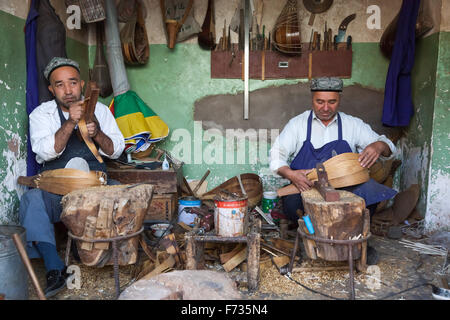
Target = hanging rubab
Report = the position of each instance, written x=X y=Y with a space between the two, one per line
x=100 y=71
x=207 y=37
x=286 y=33
x=173 y=26
x=134 y=40
x=424 y=24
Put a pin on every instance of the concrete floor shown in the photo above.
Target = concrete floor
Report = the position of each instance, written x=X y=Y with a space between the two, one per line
x=400 y=268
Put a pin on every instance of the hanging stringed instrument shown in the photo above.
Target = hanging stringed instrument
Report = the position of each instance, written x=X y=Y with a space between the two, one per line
x=100 y=71
x=134 y=39
x=286 y=33
x=423 y=24
x=173 y=26
x=207 y=37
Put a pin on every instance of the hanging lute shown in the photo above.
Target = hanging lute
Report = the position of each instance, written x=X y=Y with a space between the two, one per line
x=286 y=33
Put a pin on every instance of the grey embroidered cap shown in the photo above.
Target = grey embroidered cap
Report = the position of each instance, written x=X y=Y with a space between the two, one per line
x=327 y=84
x=57 y=62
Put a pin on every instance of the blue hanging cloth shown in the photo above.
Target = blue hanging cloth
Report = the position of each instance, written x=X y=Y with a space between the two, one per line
x=32 y=95
x=398 y=107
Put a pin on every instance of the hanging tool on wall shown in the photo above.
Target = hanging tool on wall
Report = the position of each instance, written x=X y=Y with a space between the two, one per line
x=343 y=28
x=315 y=7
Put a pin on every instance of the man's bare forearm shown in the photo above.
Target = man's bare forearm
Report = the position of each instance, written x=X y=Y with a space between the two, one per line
x=104 y=142
x=63 y=135
x=285 y=172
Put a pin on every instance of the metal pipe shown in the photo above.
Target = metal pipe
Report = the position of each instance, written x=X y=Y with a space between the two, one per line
x=246 y=57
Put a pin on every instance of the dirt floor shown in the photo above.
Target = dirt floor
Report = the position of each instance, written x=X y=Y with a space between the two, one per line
x=399 y=268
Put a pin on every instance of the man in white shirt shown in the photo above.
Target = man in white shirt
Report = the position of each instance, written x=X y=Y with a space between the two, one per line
x=53 y=127
x=312 y=136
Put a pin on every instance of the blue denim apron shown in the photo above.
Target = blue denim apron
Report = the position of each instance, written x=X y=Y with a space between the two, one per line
x=40 y=209
x=308 y=157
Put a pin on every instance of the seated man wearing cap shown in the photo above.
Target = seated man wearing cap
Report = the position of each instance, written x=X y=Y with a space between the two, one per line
x=313 y=136
x=53 y=127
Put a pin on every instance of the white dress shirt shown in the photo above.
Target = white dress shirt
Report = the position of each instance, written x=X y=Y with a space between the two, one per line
x=44 y=122
x=357 y=133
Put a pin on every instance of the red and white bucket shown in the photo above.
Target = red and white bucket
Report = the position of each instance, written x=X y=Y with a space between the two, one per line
x=229 y=217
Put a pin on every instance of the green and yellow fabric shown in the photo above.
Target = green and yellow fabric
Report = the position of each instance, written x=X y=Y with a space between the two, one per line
x=139 y=124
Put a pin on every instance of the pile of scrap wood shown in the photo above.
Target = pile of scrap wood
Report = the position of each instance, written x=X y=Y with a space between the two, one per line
x=171 y=255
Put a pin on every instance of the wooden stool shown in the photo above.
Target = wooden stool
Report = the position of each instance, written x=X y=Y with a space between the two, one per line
x=195 y=250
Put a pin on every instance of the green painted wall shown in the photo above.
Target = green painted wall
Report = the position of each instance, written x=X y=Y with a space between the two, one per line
x=174 y=79
x=13 y=116
x=13 y=119
x=438 y=212
x=416 y=146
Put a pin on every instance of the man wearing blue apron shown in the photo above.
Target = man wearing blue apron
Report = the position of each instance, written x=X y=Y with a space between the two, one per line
x=315 y=135
x=53 y=127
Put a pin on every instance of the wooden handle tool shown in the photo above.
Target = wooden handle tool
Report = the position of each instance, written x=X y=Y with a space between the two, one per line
x=28 y=266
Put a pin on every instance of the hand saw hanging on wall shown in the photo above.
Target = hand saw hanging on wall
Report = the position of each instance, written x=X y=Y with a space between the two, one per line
x=90 y=100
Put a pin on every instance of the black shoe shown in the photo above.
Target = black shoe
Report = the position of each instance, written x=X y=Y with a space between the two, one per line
x=372 y=256
x=56 y=281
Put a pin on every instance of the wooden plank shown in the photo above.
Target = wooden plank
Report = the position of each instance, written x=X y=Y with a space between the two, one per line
x=168 y=263
x=254 y=249
x=235 y=260
x=282 y=244
x=281 y=261
x=224 y=257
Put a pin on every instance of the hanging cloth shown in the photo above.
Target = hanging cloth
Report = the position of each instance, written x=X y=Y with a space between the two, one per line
x=50 y=42
x=32 y=94
x=398 y=106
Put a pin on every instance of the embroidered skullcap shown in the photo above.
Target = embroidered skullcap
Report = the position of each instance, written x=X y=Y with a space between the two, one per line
x=327 y=84
x=57 y=62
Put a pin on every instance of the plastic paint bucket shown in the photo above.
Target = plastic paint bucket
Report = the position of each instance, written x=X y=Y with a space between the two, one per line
x=184 y=215
x=270 y=199
x=229 y=217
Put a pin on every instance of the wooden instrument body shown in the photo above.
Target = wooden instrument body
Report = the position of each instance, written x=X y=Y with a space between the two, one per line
x=64 y=181
x=343 y=170
x=100 y=71
x=106 y=212
x=134 y=39
x=251 y=183
x=286 y=33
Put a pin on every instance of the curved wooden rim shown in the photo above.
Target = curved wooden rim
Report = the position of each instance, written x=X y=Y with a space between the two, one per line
x=84 y=133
